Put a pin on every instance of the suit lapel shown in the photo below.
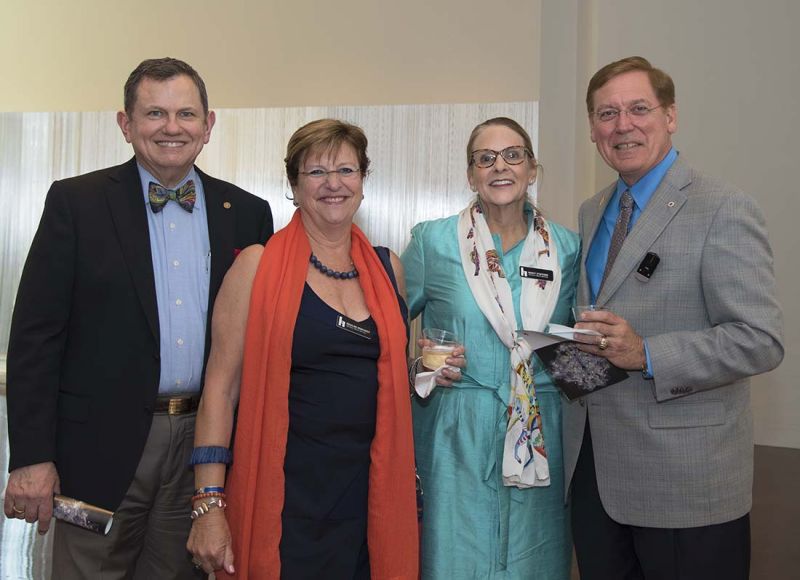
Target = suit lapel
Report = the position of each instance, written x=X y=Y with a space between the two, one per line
x=128 y=213
x=593 y=217
x=221 y=232
x=666 y=202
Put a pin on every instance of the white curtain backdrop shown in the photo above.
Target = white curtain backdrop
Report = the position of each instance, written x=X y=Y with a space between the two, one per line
x=418 y=169
x=418 y=172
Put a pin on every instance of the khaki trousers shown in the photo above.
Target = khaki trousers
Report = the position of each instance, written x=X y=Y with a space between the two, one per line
x=148 y=538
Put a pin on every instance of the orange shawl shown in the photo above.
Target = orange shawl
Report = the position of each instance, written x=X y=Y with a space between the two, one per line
x=255 y=485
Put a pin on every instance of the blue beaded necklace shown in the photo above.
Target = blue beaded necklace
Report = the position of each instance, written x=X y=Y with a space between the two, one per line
x=332 y=273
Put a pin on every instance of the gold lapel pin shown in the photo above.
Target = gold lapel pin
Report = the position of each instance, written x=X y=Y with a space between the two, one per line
x=227 y=205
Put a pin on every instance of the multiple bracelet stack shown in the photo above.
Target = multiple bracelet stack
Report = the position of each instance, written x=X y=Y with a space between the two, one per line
x=216 y=494
x=205 y=507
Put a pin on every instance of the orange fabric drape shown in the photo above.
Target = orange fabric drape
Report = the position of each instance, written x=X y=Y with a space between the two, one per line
x=255 y=487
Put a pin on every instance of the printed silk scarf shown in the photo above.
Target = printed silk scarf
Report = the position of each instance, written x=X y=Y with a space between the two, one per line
x=255 y=486
x=524 y=457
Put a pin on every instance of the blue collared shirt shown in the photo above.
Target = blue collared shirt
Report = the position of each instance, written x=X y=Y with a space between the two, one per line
x=641 y=191
x=181 y=253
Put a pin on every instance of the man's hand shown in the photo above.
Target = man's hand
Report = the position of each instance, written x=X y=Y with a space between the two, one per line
x=623 y=347
x=29 y=494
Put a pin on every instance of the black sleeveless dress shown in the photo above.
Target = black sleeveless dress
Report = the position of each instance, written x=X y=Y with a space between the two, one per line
x=332 y=411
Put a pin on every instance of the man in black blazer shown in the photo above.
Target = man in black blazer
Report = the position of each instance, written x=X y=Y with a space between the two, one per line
x=110 y=334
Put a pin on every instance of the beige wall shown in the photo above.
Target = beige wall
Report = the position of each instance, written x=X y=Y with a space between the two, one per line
x=75 y=56
x=737 y=77
x=734 y=62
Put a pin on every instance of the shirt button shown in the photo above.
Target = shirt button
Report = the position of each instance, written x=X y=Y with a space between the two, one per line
x=176 y=263
x=179 y=382
x=172 y=226
x=180 y=342
x=179 y=302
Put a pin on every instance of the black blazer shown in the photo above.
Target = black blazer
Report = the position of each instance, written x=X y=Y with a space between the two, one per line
x=83 y=356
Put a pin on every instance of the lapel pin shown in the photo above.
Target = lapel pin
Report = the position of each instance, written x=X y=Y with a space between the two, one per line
x=227 y=205
x=670 y=204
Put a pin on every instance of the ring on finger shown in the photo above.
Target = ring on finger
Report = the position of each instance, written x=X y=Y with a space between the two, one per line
x=17 y=510
x=603 y=344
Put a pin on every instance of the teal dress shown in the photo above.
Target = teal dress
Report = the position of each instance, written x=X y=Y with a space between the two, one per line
x=473 y=526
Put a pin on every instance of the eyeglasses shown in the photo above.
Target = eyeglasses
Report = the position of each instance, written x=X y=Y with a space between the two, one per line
x=608 y=115
x=344 y=173
x=484 y=158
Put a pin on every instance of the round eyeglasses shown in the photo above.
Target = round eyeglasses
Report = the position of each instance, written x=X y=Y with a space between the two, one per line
x=484 y=158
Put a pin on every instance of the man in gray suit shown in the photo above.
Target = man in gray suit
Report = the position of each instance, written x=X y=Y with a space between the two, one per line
x=660 y=466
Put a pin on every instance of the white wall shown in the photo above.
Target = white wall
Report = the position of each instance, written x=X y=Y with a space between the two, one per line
x=75 y=56
x=737 y=74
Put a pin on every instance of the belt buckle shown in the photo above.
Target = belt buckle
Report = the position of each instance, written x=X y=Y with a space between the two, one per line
x=178 y=405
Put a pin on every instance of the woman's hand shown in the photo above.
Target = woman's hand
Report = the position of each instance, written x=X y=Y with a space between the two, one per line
x=455 y=362
x=210 y=542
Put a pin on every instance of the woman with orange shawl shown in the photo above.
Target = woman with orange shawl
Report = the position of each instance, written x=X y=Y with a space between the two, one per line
x=322 y=482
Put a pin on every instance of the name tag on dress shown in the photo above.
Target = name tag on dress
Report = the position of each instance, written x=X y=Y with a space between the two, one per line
x=535 y=273
x=349 y=325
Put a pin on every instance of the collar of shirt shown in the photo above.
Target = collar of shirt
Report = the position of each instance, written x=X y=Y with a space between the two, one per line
x=641 y=191
x=146 y=177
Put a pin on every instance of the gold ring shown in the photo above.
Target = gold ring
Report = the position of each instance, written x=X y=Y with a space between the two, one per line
x=603 y=344
x=18 y=511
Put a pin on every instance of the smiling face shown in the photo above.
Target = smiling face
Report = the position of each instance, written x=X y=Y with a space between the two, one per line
x=167 y=127
x=332 y=199
x=501 y=184
x=632 y=145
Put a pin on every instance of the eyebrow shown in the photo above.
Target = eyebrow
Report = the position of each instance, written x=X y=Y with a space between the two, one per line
x=627 y=104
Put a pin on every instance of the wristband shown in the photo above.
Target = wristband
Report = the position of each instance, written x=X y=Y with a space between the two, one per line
x=211 y=454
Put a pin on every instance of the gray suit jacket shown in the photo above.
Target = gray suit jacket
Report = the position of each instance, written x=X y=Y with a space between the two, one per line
x=677 y=451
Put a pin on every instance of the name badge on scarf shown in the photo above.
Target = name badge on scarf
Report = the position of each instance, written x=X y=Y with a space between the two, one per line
x=350 y=325
x=535 y=273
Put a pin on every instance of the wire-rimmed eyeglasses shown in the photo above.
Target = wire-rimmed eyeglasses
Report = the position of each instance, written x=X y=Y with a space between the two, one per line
x=344 y=173
x=611 y=114
x=484 y=158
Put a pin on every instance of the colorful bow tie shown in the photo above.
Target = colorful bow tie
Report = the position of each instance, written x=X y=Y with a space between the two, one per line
x=160 y=195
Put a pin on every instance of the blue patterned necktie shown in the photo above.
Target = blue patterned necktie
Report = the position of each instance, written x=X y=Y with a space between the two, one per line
x=620 y=232
x=160 y=195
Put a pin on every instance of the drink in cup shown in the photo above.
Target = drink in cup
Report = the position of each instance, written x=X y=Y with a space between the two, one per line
x=440 y=345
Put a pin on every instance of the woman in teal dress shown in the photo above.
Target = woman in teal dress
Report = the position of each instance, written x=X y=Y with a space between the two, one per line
x=489 y=448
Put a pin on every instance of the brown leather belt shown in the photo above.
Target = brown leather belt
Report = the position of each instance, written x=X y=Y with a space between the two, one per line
x=177 y=405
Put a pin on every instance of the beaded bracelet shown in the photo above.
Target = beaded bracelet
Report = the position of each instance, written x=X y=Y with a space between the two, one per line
x=198 y=496
x=204 y=507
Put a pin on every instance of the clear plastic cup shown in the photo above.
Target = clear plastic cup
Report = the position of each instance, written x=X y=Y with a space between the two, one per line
x=440 y=346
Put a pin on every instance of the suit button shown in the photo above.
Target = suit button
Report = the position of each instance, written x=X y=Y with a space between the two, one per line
x=157 y=356
x=582 y=403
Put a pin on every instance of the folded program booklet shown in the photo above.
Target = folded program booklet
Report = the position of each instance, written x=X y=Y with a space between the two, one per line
x=574 y=372
x=84 y=515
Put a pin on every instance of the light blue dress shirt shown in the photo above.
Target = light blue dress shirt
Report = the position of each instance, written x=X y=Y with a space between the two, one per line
x=641 y=191
x=181 y=253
